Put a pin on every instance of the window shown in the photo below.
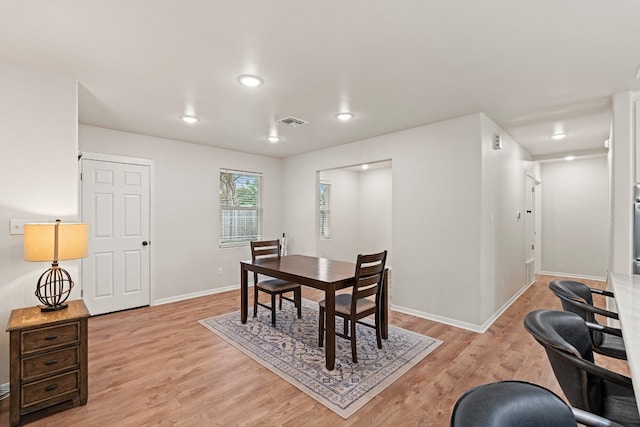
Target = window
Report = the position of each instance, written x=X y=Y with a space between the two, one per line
x=240 y=207
x=325 y=210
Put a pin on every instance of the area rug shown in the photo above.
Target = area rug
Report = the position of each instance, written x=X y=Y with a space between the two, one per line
x=290 y=350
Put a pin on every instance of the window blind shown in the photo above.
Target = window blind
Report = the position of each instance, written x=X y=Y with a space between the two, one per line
x=240 y=207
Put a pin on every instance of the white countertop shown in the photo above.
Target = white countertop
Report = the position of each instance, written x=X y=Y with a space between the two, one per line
x=627 y=297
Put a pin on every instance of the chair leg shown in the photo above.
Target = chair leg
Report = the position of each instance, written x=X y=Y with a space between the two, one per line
x=273 y=309
x=280 y=301
x=255 y=300
x=321 y=328
x=354 y=356
x=297 y=295
x=378 y=330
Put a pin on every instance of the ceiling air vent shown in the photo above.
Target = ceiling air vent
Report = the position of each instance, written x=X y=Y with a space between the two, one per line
x=292 y=122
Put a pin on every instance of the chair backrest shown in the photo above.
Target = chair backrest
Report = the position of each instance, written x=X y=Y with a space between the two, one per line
x=264 y=249
x=511 y=404
x=574 y=296
x=566 y=340
x=368 y=277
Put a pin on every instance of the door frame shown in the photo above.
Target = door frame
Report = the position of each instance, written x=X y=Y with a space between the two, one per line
x=152 y=211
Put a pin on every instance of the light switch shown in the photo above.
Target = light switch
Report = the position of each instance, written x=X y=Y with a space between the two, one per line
x=17 y=225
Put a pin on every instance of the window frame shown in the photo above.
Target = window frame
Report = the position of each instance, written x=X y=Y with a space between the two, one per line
x=241 y=239
x=324 y=214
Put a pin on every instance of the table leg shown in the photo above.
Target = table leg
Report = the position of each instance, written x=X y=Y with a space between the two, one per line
x=244 y=290
x=385 y=305
x=330 y=326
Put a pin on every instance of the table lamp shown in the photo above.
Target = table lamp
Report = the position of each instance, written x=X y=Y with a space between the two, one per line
x=55 y=242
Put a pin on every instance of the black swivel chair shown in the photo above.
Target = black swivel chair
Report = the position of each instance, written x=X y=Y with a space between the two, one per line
x=567 y=342
x=519 y=404
x=577 y=298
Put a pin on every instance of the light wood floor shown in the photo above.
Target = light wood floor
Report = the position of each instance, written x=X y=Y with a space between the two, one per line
x=158 y=366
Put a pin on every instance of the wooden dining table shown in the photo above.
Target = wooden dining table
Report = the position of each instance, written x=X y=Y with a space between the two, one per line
x=320 y=273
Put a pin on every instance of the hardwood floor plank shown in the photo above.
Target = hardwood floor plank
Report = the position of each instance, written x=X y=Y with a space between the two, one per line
x=158 y=366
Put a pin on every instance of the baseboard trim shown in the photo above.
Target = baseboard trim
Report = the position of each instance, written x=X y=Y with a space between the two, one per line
x=460 y=324
x=573 y=276
x=195 y=295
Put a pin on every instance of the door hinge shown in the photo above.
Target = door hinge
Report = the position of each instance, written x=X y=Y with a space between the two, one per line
x=532 y=247
x=81 y=293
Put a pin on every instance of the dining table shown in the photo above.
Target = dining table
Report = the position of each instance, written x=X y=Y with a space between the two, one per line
x=323 y=274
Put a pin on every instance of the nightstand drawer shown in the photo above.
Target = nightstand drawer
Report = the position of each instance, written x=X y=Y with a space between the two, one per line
x=51 y=337
x=50 y=363
x=50 y=388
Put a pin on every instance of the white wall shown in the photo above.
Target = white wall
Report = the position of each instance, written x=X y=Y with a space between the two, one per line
x=622 y=157
x=187 y=256
x=437 y=215
x=375 y=196
x=360 y=213
x=501 y=220
x=575 y=217
x=38 y=176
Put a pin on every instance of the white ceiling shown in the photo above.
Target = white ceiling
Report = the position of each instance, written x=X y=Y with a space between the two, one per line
x=528 y=65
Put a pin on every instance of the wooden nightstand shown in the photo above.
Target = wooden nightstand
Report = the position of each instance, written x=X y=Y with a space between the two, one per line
x=48 y=358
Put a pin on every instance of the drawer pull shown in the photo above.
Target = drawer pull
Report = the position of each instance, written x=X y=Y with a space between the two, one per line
x=51 y=362
x=51 y=387
x=51 y=337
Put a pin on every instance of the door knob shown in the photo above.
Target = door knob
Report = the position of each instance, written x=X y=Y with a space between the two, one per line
x=145 y=243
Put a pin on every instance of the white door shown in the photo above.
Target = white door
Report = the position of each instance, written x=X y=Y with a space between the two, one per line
x=530 y=226
x=115 y=204
x=530 y=229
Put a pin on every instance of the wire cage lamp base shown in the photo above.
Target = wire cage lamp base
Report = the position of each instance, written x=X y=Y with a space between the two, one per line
x=53 y=289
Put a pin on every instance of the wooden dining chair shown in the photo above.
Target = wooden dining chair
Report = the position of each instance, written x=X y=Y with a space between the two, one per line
x=354 y=306
x=273 y=287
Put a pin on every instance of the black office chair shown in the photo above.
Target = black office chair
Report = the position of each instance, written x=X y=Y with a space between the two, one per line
x=519 y=404
x=577 y=298
x=567 y=342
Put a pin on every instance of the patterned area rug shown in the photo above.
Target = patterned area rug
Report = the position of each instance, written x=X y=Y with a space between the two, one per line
x=291 y=351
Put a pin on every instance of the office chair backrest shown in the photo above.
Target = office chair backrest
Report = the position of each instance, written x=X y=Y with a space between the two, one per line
x=572 y=295
x=511 y=404
x=566 y=340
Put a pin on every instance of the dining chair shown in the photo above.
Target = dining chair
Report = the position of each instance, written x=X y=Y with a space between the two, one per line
x=273 y=287
x=576 y=297
x=587 y=386
x=354 y=306
x=519 y=404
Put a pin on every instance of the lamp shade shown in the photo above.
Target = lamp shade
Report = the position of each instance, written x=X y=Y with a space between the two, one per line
x=40 y=241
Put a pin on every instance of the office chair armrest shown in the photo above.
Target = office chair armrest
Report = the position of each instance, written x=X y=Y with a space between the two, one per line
x=588 y=307
x=602 y=292
x=594 y=369
x=592 y=420
x=604 y=329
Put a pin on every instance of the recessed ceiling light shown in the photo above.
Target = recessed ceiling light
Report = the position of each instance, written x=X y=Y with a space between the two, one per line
x=569 y=158
x=189 y=119
x=344 y=116
x=250 y=80
x=558 y=136
x=273 y=139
